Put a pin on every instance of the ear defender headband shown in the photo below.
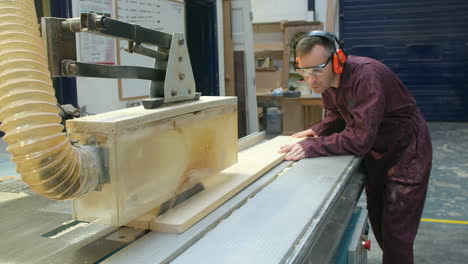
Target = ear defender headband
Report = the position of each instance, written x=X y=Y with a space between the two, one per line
x=339 y=56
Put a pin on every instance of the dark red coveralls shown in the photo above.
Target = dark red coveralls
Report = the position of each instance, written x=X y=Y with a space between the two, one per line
x=373 y=114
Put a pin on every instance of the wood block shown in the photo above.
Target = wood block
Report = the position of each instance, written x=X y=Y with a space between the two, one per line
x=252 y=163
x=152 y=155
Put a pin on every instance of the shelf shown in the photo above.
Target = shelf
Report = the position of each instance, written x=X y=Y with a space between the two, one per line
x=269 y=53
x=268 y=47
x=267 y=69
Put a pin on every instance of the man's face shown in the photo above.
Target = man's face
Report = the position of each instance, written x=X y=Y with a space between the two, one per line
x=317 y=56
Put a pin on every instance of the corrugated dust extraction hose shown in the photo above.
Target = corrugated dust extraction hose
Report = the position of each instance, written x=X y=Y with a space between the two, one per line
x=44 y=157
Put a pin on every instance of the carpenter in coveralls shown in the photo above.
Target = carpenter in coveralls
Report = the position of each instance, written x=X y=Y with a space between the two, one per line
x=369 y=112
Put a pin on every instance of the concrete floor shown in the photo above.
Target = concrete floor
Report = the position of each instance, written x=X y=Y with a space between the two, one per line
x=446 y=199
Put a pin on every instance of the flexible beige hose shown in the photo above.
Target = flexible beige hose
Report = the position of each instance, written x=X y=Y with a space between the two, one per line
x=44 y=157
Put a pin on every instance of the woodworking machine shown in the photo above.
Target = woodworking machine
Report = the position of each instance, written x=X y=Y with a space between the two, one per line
x=145 y=163
x=301 y=212
x=151 y=157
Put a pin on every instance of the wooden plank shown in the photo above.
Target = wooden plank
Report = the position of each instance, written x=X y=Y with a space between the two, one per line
x=252 y=163
x=137 y=116
x=332 y=10
x=143 y=222
x=229 y=75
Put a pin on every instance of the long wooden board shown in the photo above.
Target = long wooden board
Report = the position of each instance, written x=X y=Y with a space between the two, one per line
x=252 y=163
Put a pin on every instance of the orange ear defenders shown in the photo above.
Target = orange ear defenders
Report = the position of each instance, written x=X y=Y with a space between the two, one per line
x=339 y=56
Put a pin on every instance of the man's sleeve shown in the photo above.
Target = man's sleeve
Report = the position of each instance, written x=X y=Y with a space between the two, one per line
x=359 y=135
x=333 y=122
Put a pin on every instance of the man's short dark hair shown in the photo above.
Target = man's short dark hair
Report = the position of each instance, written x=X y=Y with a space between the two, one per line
x=306 y=44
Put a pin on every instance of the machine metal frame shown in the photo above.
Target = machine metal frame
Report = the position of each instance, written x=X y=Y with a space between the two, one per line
x=171 y=78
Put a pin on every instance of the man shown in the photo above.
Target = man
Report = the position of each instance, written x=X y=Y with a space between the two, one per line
x=371 y=113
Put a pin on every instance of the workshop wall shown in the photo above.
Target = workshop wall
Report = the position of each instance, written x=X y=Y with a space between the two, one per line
x=101 y=95
x=277 y=10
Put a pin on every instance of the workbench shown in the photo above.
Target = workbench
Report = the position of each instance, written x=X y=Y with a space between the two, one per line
x=297 y=212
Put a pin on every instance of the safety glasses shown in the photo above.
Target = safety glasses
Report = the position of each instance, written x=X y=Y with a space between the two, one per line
x=315 y=70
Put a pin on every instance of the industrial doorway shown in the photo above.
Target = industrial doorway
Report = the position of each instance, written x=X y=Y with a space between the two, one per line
x=424 y=42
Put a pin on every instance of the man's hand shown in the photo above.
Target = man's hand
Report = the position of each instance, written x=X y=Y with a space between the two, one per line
x=305 y=133
x=295 y=152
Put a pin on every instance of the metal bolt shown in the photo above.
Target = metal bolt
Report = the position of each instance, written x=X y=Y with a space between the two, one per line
x=181 y=76
x=72 y=68
x=181 y=41
x=173 y=92
x=180 y=59
x=103 y=20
